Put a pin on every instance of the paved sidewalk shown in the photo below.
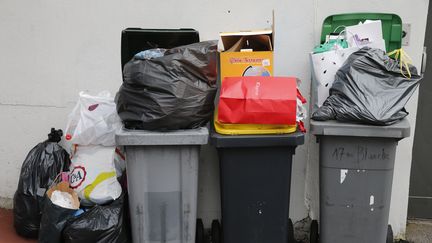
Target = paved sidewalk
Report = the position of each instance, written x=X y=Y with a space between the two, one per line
x=419 y=231
x=7 y=231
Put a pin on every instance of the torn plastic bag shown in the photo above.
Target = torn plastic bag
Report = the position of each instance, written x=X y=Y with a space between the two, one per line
x=99 y=224
x=54 y=216
x=370 y=88
x=41 y=166
x=174 y=91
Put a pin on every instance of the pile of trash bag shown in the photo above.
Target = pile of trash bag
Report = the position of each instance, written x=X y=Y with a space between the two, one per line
x=97 y=211
x=61 y=203
x=100 y=224
x=39 y=170
x=76 y=197
x=169 y=89
x=96 y=161
x=75 y=224
x=370 y=88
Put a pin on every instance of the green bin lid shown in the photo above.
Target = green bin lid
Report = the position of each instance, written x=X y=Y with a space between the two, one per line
x=391 y=26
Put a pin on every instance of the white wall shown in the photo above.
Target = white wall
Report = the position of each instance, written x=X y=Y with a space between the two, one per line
x=50 y=50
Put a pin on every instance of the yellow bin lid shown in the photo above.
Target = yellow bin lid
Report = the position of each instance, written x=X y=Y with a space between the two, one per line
x=250 y=129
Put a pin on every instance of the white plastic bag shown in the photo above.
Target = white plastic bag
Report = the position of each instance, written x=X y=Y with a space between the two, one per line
x=364 y=34
x=94 y=120
x=325 y=65
x=94 y=171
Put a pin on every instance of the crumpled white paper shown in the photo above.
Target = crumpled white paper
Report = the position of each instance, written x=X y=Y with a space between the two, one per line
x=62 y=199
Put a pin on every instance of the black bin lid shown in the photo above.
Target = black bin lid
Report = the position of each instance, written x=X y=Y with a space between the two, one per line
x=134 y=40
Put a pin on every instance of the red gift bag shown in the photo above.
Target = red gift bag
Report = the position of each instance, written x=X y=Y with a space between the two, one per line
x=258 y=100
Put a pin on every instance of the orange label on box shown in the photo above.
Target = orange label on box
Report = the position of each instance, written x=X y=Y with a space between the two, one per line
x=237 y=64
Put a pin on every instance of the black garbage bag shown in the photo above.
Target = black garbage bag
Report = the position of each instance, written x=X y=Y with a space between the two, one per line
x=369 y=88
x=54 y=217
x=100 y=224
x=173 y=91
x=40 y=168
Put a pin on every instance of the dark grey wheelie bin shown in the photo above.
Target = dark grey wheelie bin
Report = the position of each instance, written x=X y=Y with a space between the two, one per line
x=356 y=175
x=255 y=175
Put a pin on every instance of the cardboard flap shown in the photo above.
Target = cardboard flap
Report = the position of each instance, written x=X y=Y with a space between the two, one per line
x=273 y=27
x=254 y=40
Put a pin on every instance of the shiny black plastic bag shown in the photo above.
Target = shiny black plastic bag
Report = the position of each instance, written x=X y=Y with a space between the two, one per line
x=369 y=88
x=100 y=224
x=173 y=91
x=40 y=168
x=54 y=219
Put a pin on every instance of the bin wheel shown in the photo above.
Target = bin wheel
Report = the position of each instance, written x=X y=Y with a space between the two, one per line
x=314 y=236
x=215 y=231
x=389 y=234
x=291 y=232
x=199 y=233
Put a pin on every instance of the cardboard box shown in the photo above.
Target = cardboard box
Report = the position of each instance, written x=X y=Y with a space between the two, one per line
x=246 y=53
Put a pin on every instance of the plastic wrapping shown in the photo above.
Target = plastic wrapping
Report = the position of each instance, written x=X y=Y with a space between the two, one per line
x=369 y=88
x=94 y=172
x=41 y=166
x=324 y=66
x=94 y=120
x=100 y=224
x=175 y=91
x=150 y=54
x=301 y=113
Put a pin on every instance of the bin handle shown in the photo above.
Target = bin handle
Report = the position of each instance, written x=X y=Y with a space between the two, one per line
x=424 y=60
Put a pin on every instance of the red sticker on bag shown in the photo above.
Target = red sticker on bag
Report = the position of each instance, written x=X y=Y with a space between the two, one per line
x=93 y=107
x=77 y=177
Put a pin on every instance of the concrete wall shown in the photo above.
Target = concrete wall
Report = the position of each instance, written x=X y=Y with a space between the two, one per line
x=50 y=50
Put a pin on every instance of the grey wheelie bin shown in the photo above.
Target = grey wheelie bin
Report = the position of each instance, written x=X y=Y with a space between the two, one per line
x=162 y=171
x=356 y=174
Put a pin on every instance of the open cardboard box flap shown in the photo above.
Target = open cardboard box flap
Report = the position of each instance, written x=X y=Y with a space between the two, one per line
x=246 y=53
x=257 y=40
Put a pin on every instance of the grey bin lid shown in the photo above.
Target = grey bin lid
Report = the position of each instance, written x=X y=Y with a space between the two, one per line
x=197 y=136
x=334 y=128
